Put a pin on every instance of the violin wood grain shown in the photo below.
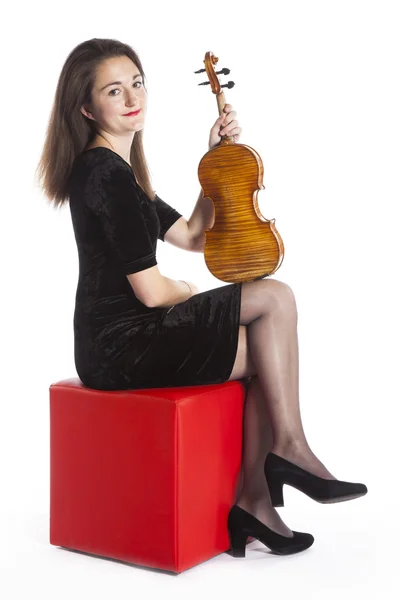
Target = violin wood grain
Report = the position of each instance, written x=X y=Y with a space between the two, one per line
x=242 y=245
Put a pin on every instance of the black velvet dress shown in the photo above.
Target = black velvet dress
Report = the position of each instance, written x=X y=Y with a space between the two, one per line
x=120 y=343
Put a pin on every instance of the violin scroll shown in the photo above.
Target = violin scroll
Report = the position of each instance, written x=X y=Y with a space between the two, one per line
x=209 y=61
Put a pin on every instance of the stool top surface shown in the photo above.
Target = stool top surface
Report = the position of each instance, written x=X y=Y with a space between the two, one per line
x=172 y=393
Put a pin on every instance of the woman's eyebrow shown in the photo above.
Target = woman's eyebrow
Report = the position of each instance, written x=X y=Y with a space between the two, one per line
x=118 y=82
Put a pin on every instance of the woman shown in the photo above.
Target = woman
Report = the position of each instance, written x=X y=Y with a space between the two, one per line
x=135 y=328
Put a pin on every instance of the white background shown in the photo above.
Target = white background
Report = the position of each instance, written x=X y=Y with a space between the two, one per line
x=317 y=95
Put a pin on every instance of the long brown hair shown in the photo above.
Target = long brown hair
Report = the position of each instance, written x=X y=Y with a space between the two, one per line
x=69 y=131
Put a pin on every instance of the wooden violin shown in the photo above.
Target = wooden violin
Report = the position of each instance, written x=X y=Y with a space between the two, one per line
x=241 y=245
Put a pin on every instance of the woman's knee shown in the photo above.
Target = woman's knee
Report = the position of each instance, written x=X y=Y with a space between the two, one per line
x=280 y=294
x=266 y=296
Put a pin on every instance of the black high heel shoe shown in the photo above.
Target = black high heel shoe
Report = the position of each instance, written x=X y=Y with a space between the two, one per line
x=278 y=471
x=242 y=525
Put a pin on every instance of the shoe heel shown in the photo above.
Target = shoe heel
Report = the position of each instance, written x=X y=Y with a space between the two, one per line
x=238 y=543
x=276 y=492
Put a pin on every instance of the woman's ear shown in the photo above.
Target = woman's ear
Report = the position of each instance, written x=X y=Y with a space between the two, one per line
x=87 y=113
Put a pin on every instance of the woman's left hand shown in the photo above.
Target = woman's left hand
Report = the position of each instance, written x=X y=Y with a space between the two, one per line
x=226 y=124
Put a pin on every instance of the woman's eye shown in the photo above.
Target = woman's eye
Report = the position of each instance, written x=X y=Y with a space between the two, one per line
x=116 y=89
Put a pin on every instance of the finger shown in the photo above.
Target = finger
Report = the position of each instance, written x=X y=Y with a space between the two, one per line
x=219 y=121
x=234 y=132
x=230 y=118
x=225 y=111
x=228 y=128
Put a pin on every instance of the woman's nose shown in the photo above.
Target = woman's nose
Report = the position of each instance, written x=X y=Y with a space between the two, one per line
x=132 y=97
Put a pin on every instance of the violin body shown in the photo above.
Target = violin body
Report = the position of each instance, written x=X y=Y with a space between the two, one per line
x=241 y=245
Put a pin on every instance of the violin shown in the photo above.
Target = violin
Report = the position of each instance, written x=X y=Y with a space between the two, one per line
x=242 y=245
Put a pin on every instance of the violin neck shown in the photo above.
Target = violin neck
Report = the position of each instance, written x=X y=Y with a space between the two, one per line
x=221 y=103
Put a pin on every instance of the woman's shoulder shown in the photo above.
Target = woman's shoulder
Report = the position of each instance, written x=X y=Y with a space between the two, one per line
x=100 y=156
x=99 y=175
x=100 y=164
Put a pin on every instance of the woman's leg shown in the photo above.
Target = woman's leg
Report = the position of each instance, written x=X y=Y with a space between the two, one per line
x=269 y=349
x=257 y=442
x=268 y=310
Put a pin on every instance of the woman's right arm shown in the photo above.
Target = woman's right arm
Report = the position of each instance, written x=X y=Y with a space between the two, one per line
x=155 y=290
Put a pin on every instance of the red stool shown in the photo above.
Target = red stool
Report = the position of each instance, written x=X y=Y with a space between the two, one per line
x=145 y=476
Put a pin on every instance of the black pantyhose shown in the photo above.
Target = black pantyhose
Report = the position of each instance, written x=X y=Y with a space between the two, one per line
x=272 y=420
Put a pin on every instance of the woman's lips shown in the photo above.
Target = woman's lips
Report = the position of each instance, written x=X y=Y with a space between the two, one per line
x=132 y=113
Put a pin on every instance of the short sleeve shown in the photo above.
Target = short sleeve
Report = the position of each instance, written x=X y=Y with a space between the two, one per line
x=166 y=215
x=112 y=195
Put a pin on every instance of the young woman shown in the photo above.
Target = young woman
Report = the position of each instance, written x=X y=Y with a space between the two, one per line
x=135 y=328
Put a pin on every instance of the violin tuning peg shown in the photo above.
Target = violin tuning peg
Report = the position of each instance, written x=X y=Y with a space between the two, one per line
x=229 y=85
x=223 y=72
x=200 y=71
x=204 y=83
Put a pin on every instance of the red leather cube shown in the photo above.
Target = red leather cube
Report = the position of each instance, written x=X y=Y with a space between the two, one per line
x=145 y=476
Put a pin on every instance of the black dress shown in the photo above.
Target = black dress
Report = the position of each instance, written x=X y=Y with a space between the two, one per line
x=120 y=343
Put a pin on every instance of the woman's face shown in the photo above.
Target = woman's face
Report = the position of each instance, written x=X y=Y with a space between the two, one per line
x=118 y=90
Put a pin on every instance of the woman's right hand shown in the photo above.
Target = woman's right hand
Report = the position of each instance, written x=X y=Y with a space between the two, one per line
x=195 y=289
